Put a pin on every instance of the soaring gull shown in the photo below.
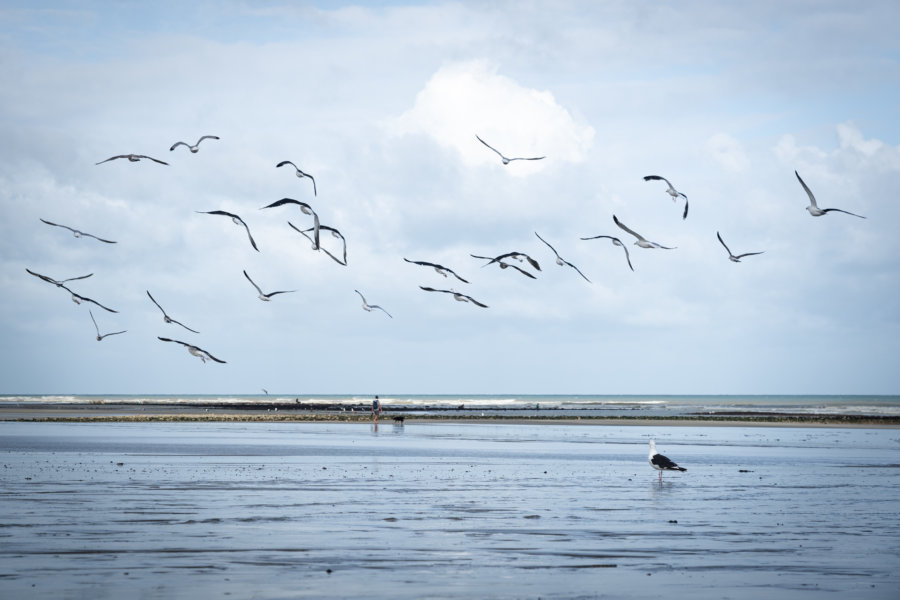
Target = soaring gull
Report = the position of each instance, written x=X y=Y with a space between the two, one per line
x=660 y=462
x=300 y=174
x=506 y=160
x=731 y=256
x=55 y=282
x=503 y=265
x=641 y=240
x=814 y=209
x=439 y=268
x=100 y=337
x=559 y=259
x=334 y=233
x=616 y=242
x=131 y=158
x=77 y=233
x=519 y=256
x=262 y=296
x=670 y=191
x=370 y=307
x=236 y=219
x=166 y=317
x=194 y=350
x=305 y=209
x=456 y=296
x=76 y=298
x=196 y=146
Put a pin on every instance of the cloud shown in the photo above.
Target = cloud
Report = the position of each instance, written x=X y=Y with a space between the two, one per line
x=728 y=152
x=468 y=98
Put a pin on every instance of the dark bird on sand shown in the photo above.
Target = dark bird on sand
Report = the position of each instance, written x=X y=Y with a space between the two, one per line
x=132 y=158
x=236 y=219
x=506 y=160
x=78 y=233
x=660 y=462
x=196 y=146
x=194 y=350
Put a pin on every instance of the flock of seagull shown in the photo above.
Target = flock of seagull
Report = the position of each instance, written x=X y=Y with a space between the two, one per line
x=314 y=235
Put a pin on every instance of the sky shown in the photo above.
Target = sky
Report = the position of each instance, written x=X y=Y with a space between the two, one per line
x=381 y=103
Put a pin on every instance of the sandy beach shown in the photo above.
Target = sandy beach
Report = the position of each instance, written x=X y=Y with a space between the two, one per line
x=446 y=510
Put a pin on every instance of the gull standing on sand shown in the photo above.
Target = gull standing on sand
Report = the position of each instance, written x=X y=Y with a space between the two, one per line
x=166 y=317
x=265 y=297
x=641 y=240
x=616 y=242
x=814 y=209
x=559 y=259
x=300 y=174
x=196 y=146
x=731 y=256
x=78 y=233
x=305 y=209
x=506 y=160
x=100 y=337
x=660 y=462
x=456 y=296
x=203 y=355
x=236 y=219
x=370 y=307
x=439 y=268
x=670 y=191
x=132 y=158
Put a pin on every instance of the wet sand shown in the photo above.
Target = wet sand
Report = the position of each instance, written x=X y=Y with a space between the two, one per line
x=446 y=510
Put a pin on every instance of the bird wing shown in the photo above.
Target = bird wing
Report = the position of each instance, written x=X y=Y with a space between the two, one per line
x=286 y=162
x=381 y=309
x=58 y=225
x=207 y=137
x=627 y=256
x=657 y=178
x=156 y=303
x=361 y=296
x=721 y=241
x=684 y=216
x=112 y=158
x=176 y=144
x=85 y=299
x=183 y=325
x=846 y=212
x=112 y=333
x=254 y=285
x=624 y=228
x=77 y=278
x=220 y=212
x=812 y=199
x=519 y=269
x=474 y=301
x=98 y=238
x=151 y=158
x=577 y=269
x=44 y=277
x=95 y=322
x=252 y=243
x=663 y=462
x=548 y=245
x=749 y=254
x=210 y=356
x=489 y=146
x=522 y=158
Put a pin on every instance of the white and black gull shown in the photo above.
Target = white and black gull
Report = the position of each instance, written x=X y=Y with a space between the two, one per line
x=731 y=256
x=560 y=260
x=814 y=209
x=235 y=219
x=166 y=317
x=132 y=158
x=60 y=283
x=370 y=307
x=262 y=296
x=439 y=268
x=670 y=191
x=100 y=337
x=456 y=296
x=506 y=160
x=660 y=462
x=305 y=209
x=78 y=233
x=196 y=146
x=300 y=174
x=616 y=242
x=503 y=265
x=334 y=233
x=641 y=242
x=200 y=353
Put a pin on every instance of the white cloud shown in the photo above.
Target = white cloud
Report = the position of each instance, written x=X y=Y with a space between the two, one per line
x=464 y=99
x=728 y=152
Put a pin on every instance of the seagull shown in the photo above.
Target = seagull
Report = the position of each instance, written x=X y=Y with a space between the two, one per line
x=439 y=268
x=334 y=233
x=78 y=299
x=814 y=209
x=265 y=297
x=641 y=241
x=131 y=158
x=503 y=265
x=55 y=282
x=196 y=146
x=671 y=191
x=100 y=337
x=731 y=256
x=305 y=209
x=456 y=296
x=519 y=256
x=370 y=307
x=236 y=219
x=77 y=233
x=166 y=317
x=616 y=242
x=505 y=160
x=559 y=259
x=660 y=462
x=194 y=350
x=300 y=173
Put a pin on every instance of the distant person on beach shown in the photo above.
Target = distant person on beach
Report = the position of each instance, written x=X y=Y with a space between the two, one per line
x=376 y=409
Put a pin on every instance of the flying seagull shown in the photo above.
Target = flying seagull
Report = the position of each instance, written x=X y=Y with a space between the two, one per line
x=236 y=219
x=731 y=256
x=334 y=233
x=77 y=233
x=166 y=317
x=305 y=209
x=616 y=242
x=196 y=146
x=265 y=297
x=456 y=296
x=559 y=259
x=505 y=160
x=503 y=265
x=131 y=158
x=519 y=256
x=299 y=173
x=194 y=350
x=641 y=241
x=814 y=209
x=76 y=298
x=660 y=462
x=439 y=268
x=55 y=282
x=671 y=191
x=370 y=307
x=100 y=337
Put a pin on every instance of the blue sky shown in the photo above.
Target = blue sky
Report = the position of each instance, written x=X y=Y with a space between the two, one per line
x=381 y=104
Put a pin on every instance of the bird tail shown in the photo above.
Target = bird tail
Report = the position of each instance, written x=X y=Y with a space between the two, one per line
x=681 y=469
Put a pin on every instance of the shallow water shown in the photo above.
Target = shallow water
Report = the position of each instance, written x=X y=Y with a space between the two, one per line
x=286 y=510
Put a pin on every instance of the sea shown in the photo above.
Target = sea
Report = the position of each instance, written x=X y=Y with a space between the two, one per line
x=512 y=405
